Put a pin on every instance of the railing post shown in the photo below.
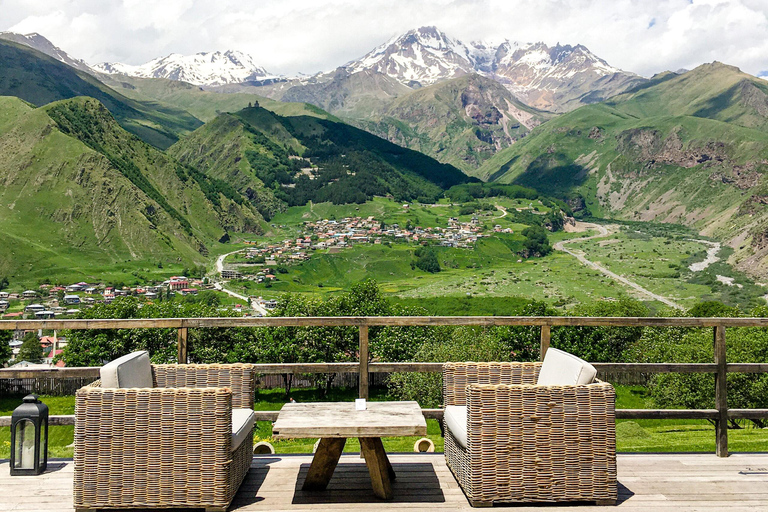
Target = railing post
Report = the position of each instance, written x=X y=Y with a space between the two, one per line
x=721 y=393
x=545 y=337
x=182 y=345
x=363 y=350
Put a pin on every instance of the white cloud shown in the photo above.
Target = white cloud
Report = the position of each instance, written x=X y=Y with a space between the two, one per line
x=312 y=35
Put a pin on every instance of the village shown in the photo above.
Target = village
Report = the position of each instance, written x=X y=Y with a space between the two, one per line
x=65 y=301
x=335 y=235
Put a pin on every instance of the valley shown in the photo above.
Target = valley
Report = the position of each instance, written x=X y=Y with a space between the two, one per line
x=476 y=161
x=645 y=261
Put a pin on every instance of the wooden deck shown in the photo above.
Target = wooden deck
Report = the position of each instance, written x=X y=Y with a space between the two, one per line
x=673 y=482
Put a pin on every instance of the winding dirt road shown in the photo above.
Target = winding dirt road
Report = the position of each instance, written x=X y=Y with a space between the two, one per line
x=219 y=286
x=579 y=255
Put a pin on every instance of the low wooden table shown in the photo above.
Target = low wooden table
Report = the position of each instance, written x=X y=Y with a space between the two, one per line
x=334 y=422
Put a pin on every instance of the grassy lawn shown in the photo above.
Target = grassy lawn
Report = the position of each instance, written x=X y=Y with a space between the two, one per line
x=676 y=435
x=631 y=436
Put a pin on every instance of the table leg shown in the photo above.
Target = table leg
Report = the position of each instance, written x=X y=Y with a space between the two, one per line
x=323 y=464
x=378 y=466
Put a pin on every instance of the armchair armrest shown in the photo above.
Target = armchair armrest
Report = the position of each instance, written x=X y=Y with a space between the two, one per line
x=456 y=377
x=239 y=377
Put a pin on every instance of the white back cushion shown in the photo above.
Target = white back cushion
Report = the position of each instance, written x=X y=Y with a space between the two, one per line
x=562 y=369
x=130 y=371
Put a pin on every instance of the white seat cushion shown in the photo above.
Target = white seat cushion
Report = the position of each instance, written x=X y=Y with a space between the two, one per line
x=563 y=369
x=243 y=421
x=455 y=417
x=130 y=371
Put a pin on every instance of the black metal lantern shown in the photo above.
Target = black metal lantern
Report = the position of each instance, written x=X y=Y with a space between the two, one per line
x=29 y=437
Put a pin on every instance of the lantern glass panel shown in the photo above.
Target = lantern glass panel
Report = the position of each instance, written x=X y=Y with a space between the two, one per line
x=25 y=445
x=44 y=443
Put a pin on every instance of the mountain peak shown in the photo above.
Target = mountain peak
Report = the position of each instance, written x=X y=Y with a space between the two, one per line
x=425 y=55
x=43 y=45
x=204 y=68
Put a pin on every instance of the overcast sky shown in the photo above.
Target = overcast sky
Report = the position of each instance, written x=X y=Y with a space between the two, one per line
x=291 y=36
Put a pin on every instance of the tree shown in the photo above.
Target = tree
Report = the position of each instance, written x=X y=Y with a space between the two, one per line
x=426 y=260
x=695 y=345
x=30 y=349
x=5 y=349
x=536 y=242
x=601 y=344
x=207 y=345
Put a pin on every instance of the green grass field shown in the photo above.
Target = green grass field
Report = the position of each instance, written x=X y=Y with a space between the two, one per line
x=655 y=256
x=631 y=436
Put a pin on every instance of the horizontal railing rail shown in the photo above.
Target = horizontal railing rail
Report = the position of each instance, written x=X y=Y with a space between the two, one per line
x=721 y=414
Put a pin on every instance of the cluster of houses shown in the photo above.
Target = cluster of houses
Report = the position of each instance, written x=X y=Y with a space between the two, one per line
x=48 y=301
x=356 y=230
x=335 y=235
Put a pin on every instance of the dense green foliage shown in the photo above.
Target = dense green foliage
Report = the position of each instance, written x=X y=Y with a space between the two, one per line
x=601 y=344
x=458 y=344
x=95 y=347
x=335 y=344
x=426 y=259
x=30 y=349
x=5 y=349
x=695 y=345
x=350 y=165
x=467 y=305
x=536 y=242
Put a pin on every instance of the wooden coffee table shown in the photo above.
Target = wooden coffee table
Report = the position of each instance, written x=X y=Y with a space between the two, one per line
x=334 y=422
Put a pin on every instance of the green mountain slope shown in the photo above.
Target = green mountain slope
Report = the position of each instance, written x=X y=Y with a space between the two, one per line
x=687 y=148
x=304 y=158
x=462 y=122
x=40 y=79
x=203 y=104
x=713 y=91
x=80 y=195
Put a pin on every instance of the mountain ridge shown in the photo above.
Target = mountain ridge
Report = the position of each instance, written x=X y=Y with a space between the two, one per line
x=687 y=149
x=204 y=68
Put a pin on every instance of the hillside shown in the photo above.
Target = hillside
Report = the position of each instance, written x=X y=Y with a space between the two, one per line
x=39 y=79
x=81 y=195
x=684 y=149
x=203 y=104
x=304 y=158
x=462 y=122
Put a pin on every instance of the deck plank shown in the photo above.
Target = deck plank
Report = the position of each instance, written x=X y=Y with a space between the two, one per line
x=659 y=482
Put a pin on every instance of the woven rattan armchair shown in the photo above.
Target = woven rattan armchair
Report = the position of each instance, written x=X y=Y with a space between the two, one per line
x=527 y=442
x=166 y=446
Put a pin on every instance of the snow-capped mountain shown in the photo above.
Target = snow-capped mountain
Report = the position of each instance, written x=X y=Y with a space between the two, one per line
x=424 y=55
x=43 y=45
x=206 y=68
x=540 y=75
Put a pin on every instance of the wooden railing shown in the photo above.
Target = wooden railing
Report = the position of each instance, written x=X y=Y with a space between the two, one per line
x=719 y=367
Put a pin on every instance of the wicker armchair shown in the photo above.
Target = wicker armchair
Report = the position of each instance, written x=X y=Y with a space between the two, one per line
x=527 y=442
x=166 y=446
